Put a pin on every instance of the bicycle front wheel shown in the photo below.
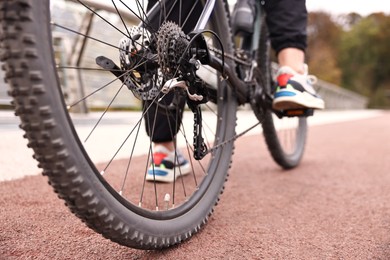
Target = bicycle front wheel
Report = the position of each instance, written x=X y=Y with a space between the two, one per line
x=97 y=161
x=285 y=136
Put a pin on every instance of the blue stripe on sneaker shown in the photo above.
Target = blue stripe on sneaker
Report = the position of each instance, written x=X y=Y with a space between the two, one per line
x=158 y=172
x=284 y=94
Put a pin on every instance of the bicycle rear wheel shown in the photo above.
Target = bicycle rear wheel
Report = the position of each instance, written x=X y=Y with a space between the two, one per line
x=285 y=136
x=97 y=162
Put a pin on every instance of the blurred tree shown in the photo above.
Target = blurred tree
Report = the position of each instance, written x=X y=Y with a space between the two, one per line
x=324 y=36
x=347 y=21
x=352 y=51
x=364 y=58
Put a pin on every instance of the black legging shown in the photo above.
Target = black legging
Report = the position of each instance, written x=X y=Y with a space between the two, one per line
x=161 y=124
x=286 y=21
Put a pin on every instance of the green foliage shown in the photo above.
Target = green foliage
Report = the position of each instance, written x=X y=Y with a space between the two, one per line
x=324 y=37
x=354 y=53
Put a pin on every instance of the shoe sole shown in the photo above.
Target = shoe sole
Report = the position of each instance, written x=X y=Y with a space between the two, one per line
x=298 y=101
x=166 y=175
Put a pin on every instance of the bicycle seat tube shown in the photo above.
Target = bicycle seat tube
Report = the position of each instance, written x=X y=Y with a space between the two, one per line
x=204 y=17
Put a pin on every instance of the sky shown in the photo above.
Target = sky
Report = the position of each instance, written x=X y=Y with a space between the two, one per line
x=362 y=7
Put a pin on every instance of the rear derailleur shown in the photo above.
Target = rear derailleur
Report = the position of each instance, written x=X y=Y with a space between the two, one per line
x=151 y=66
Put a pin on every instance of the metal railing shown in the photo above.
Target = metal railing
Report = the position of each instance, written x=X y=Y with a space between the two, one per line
x=336 y=97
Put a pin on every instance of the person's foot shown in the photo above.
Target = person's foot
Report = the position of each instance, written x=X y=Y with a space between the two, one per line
x=295 y=91
x=165 y=168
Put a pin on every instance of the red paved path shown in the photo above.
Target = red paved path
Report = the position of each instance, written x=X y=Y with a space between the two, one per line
x=336 y=205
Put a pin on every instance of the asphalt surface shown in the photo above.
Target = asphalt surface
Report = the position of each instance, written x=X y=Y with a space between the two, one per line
x=335 y=205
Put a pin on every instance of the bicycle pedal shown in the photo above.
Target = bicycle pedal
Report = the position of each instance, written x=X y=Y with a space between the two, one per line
x=298 y=112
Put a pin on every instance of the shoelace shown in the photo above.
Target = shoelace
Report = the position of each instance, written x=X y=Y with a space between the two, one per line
x=311 y=79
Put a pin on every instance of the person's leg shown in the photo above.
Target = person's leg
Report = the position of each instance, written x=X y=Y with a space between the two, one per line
x=287 y=22
x=293 y=58
x=162 y=127
x=163 y=122
x=165 y=128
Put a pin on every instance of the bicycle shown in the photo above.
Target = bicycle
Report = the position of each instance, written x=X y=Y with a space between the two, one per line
x=112 y=196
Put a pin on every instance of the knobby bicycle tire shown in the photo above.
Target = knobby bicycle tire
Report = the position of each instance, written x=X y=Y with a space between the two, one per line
x=29 y=62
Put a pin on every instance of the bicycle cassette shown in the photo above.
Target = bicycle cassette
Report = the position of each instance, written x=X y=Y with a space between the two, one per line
x=172 y=44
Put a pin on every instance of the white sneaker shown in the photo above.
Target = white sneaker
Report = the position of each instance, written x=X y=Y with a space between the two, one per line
x=295 y=91
x=165 y=168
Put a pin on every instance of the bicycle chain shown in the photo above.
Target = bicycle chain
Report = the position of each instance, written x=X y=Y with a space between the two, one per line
x=245 y=63
x=230 y=56
x=234 y=138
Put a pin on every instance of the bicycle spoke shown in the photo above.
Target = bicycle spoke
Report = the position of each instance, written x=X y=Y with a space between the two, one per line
x=96 y=91
x=152 y=194
x=86 y=36
x=105 y=111
x=129 y=161
x=190 y=13
x=85 y=68
x=101 y=17
x=125 y=140
x=104 y=86
x=120 y=16
x=93 y=38
x=147 y=164
x=139 y=16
